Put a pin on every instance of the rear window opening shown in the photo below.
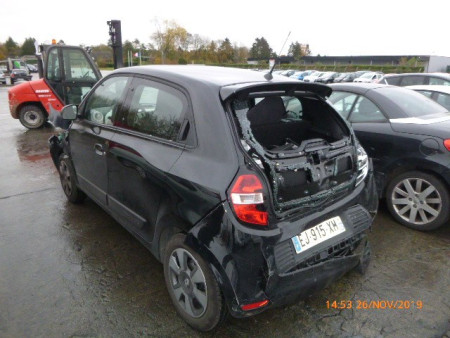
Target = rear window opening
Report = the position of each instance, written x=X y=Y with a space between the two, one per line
x=281 y=123
x=304 y=148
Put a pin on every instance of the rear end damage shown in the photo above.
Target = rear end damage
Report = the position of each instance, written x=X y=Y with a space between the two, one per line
x=304 y=173
x=259 y=267
x=308 y=154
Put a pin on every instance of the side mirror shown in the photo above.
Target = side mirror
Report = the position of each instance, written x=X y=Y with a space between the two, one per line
x=69 y=112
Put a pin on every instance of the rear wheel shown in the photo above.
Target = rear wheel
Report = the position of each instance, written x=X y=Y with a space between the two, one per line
x=192 y=286
x=68 y=183
x=418 y=200
x=32 y=116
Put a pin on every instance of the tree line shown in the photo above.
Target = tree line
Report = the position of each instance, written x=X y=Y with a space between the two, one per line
x=173 y=44
x=10 y=48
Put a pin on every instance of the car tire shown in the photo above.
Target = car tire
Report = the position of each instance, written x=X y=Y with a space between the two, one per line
x=32 y=116
x=68 y=182
x=192 y=286
x=418 y=200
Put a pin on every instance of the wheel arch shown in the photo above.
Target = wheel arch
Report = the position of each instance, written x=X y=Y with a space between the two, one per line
x=200 y=238
x=218 y=271
x=398 y=168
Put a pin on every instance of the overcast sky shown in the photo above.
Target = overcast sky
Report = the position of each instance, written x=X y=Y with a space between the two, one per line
x=330 y=27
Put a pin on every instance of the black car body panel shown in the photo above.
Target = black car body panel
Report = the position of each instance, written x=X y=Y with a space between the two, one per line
x=158 y=187
x=401 y=141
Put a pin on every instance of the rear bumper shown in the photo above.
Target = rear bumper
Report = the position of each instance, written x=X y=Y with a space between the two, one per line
x=254 y=265
x=287 y=287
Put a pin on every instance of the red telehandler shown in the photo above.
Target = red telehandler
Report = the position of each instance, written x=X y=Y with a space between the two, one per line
x=66 y=74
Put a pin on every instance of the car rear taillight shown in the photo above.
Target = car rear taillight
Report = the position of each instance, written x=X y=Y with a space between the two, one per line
x=447 y=144
x=247 y=198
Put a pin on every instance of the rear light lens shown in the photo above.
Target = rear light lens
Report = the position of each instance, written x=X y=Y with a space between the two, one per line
x=246 y=195
x=447 y=144
x=248 y=307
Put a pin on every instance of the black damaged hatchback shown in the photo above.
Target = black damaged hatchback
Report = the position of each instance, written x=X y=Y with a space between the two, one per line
x=252 y=193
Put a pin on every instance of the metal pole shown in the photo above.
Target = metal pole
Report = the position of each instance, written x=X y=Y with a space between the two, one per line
x=115 y=31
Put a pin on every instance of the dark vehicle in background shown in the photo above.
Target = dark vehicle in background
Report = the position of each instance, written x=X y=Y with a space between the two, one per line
x=345 y=77
x=288 y=72
x=327 y=77
x=19 y=74
x=16 y=69
x=407 y=136
x=32 y=68
x=412 y=79
x=440 y=94
x=251 y=193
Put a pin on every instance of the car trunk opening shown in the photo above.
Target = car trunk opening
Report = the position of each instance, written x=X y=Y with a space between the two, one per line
x=301 y=144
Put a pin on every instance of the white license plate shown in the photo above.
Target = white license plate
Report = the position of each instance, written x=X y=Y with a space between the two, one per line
x=318 y=234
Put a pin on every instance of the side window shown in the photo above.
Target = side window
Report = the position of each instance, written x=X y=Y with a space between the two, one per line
x=53 y=67
x=393 y=80
x=438 y=81
x=426 y=93
x=156 y=109
x=343 y=102
x=443 y=100
x=413 y=80
x=366 y=111
x=102 y=105
x=76 y=67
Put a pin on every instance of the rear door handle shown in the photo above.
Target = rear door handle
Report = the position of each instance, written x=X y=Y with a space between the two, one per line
x=99 y=150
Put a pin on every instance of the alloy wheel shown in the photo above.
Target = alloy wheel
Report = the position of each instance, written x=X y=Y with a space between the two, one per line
x=188 y=283
x=416 y=201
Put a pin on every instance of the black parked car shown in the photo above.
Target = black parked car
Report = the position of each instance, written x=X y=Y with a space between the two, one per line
x=345 y=77
x=246 y=204
x=19 y=74
x=407 y=136
x=327 y=77
x=32 y=68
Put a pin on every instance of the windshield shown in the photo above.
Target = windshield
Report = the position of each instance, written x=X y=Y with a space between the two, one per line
x=411 y=103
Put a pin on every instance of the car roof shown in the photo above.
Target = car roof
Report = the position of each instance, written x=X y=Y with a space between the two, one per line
x=358 y=88
x=227 y=80
x=218 y=76
x=431 y=88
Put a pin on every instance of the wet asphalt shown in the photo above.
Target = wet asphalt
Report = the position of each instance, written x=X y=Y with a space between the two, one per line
x=72 y=271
